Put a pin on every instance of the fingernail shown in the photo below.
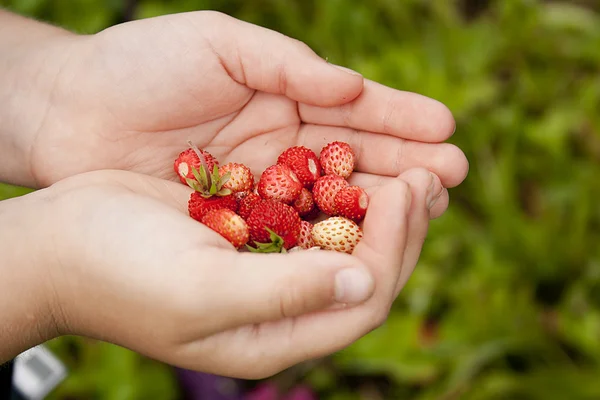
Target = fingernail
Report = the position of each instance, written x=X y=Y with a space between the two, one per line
x=353 y=285
x=435 y=199
x=348 y=70
x=431 y=197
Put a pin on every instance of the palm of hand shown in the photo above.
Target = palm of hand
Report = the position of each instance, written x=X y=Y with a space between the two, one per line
x=134 y=94
x=183 y=99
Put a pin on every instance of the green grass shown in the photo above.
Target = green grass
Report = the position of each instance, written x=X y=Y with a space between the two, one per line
x=507 y=292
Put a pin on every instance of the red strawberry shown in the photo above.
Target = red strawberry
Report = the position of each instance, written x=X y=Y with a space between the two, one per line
x=274 y=226
x=240 y=177
x=324 y=191
x=208 y=194
x=338 y=234
x=209 y=191
x=239 y=196
x=189 y=159
x=229 y=225
x=247 y=204
x=305 y=203
x=304 y=162
x=351 y=202
x=338 y=158
x=279 y=183
x=198 y=205
x=305 y=239
x=205 y=180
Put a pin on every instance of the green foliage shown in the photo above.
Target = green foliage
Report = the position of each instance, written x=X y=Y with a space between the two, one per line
x=101 y=370
x=505 y=302
x=8 y=191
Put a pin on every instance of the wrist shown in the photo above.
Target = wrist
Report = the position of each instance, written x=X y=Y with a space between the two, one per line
x=28 y=315
x=32 y=56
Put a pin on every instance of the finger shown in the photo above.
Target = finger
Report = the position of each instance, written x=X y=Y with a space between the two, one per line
x=385 y=110
x=371 y=183
x=440 y=206
x=268 y=61
x=387 y=155
x=424 y=197
x=267 y=287
x=271 y=347
x=382 y=250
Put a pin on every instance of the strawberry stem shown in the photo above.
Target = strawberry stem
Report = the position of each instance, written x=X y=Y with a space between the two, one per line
x=207 y=173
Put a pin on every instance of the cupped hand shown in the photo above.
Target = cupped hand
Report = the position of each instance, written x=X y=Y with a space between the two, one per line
x=130 y=98
x=126 y=264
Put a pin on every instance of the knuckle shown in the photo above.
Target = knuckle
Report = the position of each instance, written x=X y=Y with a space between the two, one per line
x=289 y=299
x=217 y=16
x=357 y=141
x=282 y=80
x=400 y=157
x=403 y=187
x=300 y=45
x=389 y=116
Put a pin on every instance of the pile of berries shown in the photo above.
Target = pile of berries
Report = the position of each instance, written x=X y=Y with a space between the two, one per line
x=303 y=201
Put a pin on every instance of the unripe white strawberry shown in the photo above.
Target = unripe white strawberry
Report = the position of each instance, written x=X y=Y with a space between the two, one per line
x=338 y=234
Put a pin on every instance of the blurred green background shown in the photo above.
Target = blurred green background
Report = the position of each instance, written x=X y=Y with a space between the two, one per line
x=505 y=303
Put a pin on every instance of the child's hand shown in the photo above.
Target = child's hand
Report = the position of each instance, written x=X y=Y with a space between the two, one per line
x=131 y=97
x=124 y=263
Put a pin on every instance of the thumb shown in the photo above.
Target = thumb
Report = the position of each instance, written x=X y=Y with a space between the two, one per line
x=266 y=60
x=266 y=287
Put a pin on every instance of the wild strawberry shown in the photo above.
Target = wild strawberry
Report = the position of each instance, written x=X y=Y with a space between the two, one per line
x=229 y=225
x=338 y=158
x=305 y=203
x=205 y=181
x=239 y=196
x=351 y=202
x=324 y=191
x=313 y=215
x=338 y=234
x=189 y=159
x=199 y=206
x=240 y=177
x=304 y=162
x=209 y=192
x=247 y=204
x=279 y=183
x=274 y=226
x=305 y=239
x=208 y=195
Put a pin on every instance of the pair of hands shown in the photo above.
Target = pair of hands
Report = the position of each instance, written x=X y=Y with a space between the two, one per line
x=123 y=262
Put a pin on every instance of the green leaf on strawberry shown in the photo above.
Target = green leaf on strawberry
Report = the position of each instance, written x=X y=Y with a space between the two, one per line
x=206 y=184
x=209 y=185
x=275 y=246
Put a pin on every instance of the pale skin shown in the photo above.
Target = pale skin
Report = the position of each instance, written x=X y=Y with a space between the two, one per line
x=106 y=249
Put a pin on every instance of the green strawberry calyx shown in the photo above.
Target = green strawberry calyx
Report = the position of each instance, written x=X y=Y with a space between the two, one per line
x=275 y=246
x=207 y=184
